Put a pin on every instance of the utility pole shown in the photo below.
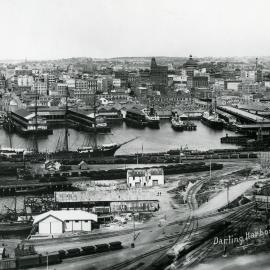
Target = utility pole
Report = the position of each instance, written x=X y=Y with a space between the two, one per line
x=228 y=194
x=210 y=167
x=47 y=260
x=134 y=236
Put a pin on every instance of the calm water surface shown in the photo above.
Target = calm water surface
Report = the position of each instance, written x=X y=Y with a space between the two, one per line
x=149 y=140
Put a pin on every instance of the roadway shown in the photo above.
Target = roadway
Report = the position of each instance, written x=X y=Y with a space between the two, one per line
x=153 y=241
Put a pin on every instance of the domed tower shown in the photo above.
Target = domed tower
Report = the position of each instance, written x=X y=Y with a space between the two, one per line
x=190 y=66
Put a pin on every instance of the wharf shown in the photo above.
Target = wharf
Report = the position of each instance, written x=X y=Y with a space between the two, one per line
x=238 y=140
x=244 y=116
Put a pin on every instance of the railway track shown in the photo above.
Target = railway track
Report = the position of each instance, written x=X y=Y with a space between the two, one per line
x=84 y=237
x=137 y=258
x=187 y=230
x=194 y=257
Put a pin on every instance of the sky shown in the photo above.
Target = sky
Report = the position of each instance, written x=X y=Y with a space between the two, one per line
x=53 y=29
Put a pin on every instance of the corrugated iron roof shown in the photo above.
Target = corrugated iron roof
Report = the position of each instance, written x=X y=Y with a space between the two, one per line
x=65 y=215
x=22 y=112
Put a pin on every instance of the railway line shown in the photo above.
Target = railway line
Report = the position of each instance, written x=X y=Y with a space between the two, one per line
x=95 y=236
x=189 y=227
x=195 y=256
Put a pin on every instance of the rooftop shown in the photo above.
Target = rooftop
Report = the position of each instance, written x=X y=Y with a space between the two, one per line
x=104 y=196
x=191 y=62
x=244 y=114
x=142 y=172
x=23 y=113
x=64 y=215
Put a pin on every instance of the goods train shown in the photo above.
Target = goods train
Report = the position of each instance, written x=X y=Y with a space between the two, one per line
x=30 y=261
x=87 y=250
x=37 y=260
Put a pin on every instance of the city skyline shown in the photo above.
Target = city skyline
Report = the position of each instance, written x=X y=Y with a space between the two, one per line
x=46 y=29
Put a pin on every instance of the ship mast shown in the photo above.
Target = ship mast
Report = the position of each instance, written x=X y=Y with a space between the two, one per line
x=95 y=122
x=36 y=123
x=66 y=125
x=215 y=103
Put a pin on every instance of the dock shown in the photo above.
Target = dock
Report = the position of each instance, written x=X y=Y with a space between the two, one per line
x=238 y=140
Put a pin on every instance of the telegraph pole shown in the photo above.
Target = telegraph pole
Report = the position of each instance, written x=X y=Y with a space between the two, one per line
x=210 y=166
x=228 y=201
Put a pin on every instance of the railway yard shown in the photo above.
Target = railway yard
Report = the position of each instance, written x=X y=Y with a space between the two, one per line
x=190 y=229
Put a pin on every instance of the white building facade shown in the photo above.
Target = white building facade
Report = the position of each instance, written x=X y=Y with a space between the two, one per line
x=145 y=177
x=58 y=222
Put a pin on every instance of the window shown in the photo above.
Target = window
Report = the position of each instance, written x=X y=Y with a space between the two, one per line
x=67 y=221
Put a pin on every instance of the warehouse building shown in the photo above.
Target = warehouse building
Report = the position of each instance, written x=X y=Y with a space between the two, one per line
x=58 y=222
x=106 y=203
x=145 y=177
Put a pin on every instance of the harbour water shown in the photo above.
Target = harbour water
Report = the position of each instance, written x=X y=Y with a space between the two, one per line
x=148 y=141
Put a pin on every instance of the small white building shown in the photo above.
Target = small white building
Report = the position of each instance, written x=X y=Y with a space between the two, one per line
x=83 y=165
x=145 y=177
x=58 y=222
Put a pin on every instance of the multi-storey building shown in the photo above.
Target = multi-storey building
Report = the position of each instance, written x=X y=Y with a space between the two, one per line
x=92 y=85
x=61 y=89
x=159 y=76
x=25 y=80
x=85 y=88
x=232 y=85
x=70 y=83
x=200 y=82
x=51 y=81
x=144 y=75
x=123 y=76
x=23 y=71
x=40 y=87
x=81 y=84
x=104 y=84
x=133 y=80
x=2 y=82
x=116 y=83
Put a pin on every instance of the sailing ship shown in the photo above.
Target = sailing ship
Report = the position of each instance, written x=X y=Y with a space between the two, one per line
x=95 y=150
x=12 y=223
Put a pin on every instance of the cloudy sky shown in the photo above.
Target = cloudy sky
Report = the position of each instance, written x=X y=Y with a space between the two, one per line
x=49 y=29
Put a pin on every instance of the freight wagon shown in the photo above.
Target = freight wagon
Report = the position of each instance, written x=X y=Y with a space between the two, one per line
x=88 y=250
x=30 y=261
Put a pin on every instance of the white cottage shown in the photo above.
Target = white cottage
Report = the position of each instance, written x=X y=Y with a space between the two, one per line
x=145 y=177
x=57 y=222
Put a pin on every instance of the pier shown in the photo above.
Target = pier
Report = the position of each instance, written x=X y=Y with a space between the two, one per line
x=238 y=140
x=244 y=116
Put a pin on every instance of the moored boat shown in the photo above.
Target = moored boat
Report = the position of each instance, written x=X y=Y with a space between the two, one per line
x=212 y=120
x=135 y=118
x=151 y=117
x=177 y=124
